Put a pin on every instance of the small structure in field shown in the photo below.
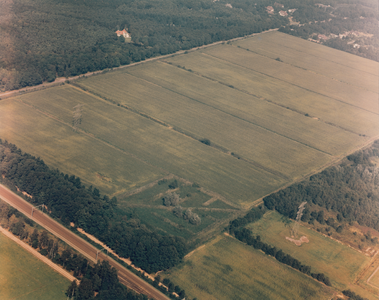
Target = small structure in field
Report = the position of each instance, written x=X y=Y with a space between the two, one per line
x=283 y=13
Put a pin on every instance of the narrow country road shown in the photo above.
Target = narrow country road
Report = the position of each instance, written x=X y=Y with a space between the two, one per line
x=126 y=277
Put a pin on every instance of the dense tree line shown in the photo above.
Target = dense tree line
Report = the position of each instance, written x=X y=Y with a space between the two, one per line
x=245 y=235
x=352 y=295
x=40 y=240
x=349 y=189
x=45 y=39
x=70 y=201
x=339 y=17
x=101 y=280
x=237 y=228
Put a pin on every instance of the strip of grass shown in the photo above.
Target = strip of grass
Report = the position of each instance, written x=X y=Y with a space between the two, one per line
x=337 y=261
x=226 y=269
x=23 y=276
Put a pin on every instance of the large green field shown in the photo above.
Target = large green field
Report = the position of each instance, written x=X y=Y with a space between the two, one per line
x=226 y=269
x=24 y=277
x=337 y=261
x=269 y=122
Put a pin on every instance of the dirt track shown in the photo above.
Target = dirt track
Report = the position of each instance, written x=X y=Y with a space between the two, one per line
x=33 y=251
x=125 y=276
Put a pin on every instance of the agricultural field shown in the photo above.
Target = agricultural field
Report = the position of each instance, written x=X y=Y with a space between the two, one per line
x=339 y=262
x=60 y=147
x=158 y=148
x=268 y=122
x=24 y=277
x=310 y=56
x=226 y=269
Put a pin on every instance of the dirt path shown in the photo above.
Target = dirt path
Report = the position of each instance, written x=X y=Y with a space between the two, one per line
x=42 y=258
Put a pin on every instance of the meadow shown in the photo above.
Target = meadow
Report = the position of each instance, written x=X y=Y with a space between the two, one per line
x=226 y=269
x=337 y=261
x=24 y=277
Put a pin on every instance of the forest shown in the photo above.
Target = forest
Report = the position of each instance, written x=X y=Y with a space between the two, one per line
x=349 y=189
x=70 y=201
x=41 y=40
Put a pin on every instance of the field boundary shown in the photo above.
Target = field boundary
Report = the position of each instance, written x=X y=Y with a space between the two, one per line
x=38 y=255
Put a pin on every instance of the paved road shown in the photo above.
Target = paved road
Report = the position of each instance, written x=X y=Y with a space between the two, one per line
x=125 y=276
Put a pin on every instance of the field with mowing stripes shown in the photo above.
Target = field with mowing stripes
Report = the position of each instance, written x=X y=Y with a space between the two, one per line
x=24 y=277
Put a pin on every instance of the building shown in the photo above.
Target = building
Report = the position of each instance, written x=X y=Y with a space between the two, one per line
x=283 y=13
x=270 y=9
x=123 y=33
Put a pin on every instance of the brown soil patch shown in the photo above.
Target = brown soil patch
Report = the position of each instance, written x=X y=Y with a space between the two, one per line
x=298 y=242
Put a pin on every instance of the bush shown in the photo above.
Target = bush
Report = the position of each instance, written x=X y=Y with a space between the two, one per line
x=206 y=141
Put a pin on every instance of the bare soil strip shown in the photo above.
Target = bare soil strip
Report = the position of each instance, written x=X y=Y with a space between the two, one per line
x=42 y=258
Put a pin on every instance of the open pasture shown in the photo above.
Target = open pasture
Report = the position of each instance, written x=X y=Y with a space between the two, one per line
x=287 y=95
x=344 y=67
x=24 y=277
x=159 y=147
x=225 y=269
x=337 y=261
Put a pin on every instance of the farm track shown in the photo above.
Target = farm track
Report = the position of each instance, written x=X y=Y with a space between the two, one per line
x=126 y=277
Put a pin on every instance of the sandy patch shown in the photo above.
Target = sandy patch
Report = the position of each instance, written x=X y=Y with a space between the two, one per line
x=298 y=242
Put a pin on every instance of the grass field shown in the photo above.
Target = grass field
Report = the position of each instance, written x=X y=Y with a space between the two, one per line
x=337 y=261
x=226 y=269
x=24 y=277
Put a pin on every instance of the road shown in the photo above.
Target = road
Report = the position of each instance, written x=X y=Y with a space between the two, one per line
x=125 y=276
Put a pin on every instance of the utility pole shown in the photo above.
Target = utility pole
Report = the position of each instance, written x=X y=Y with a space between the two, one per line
x=98 y=251
x=33 y=208
x=298 y=218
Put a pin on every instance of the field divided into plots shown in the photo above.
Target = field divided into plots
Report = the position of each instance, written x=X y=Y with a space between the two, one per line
x=157 y=149
x=269 y=122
